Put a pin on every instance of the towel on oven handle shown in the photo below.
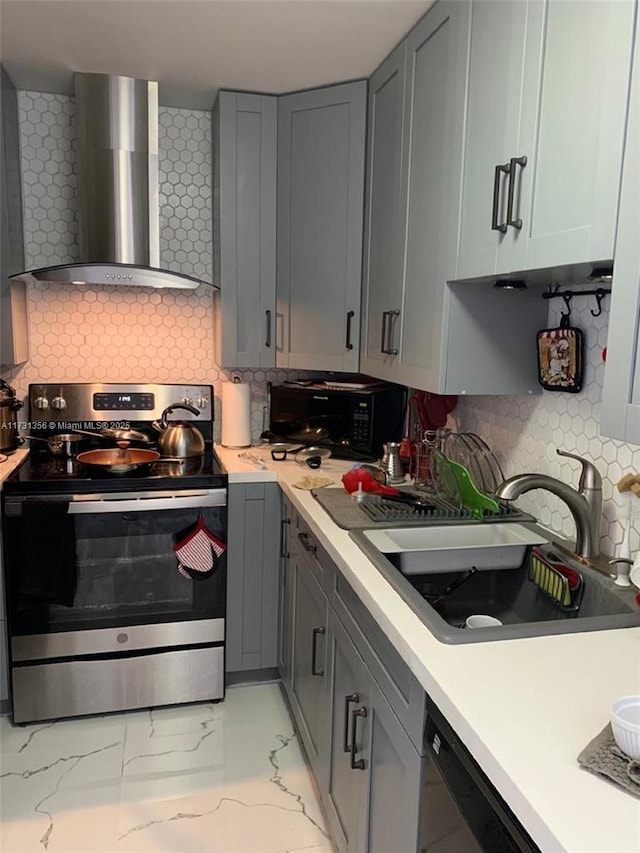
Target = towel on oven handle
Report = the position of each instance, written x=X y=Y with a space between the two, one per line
x=198 y=551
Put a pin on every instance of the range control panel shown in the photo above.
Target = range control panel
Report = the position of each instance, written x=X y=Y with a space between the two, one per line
x=78 y=401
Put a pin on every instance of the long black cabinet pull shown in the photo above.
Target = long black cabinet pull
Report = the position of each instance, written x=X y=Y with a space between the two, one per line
x=359 y=764
x=387 y=332
x=267 y=343
x=314 y=650
x=515 y=161
x=348 y=699
x=383 y=339
x=391 y=350
x=283 y=537
x=495 y=225
x=350 y=316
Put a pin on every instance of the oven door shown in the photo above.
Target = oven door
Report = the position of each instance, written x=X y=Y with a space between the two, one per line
x=107 y=561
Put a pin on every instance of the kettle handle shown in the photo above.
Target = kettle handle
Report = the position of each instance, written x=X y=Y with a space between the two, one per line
x=175 y=406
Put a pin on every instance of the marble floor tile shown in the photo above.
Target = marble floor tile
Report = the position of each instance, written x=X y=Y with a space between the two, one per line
x=224 y=777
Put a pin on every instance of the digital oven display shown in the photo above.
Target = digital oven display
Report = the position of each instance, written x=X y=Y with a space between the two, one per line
x=114 y=402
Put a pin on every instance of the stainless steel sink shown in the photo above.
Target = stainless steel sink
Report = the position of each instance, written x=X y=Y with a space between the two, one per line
x=505 y=593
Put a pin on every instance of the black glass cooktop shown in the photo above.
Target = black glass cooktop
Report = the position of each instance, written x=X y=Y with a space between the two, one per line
x=43 y=473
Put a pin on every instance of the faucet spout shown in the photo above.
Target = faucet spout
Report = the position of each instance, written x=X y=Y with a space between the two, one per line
x=583 y=510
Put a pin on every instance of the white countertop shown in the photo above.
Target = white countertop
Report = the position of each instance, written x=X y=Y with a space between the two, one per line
x=11 y=463
x=524 y=708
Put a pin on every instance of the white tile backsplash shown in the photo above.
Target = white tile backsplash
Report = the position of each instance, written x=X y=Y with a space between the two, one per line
x=524 y=432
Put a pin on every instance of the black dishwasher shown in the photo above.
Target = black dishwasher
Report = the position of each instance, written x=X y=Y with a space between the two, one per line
x=461 y=811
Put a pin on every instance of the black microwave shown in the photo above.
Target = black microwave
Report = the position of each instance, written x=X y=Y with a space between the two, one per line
x=353 y=423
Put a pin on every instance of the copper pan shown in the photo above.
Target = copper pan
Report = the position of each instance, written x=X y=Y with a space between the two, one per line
x=123 y=460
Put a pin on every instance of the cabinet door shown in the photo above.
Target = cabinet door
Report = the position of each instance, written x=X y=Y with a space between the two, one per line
x=385 y=212
x=495 y=62
x=245 y=129
x=321 y=136
x=287 y=597
x=310 y=665
x=346 y=791
x=394 y=782
x=575 y=137
x=620 y=416
x=434 y=102
x=252 y=576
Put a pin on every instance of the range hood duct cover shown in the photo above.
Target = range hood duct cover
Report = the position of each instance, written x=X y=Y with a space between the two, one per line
x=118 y=196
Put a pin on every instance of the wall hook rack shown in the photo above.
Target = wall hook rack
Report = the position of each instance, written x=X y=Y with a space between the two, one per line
x=568 y=295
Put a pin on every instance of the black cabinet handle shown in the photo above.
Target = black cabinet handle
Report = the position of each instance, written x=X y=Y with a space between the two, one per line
x=351 y=697
x=314 y=650
x=267 y=343
x=495 y=225
x=283 y=537
x=303 y=536
x=515 y=161
x=383 y=341
x=350 y=316
x=391 y=350
x=359 y=764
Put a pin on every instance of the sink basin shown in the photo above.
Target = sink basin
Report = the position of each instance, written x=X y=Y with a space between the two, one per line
x=502 y=591
x=438 y=549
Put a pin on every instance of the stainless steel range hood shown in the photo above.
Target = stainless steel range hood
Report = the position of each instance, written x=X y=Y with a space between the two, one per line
x=117 y=174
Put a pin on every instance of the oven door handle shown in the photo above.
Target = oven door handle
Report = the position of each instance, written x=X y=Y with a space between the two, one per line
x=79 y=505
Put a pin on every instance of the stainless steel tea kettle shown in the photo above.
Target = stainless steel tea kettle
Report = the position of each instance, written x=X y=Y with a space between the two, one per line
x=179 y=438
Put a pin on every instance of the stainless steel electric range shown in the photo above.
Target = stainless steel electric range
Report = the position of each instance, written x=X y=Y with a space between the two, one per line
x=101 y=614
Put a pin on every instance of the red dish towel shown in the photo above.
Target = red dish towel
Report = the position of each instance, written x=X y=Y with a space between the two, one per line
x=198 y=551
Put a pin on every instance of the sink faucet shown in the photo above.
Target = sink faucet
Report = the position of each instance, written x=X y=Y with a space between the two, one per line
x=585 y=504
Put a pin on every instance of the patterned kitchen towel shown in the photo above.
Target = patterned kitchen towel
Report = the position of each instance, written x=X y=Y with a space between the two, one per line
x=603 y=757
x=199 y=550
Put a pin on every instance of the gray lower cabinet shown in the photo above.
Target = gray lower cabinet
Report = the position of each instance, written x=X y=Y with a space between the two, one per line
x=620 y=416
x=373 y=797
x=245 y=128
x=287 y=597
x=321 y=146
x=310 y=671
x=357 y=707
x=253 y=549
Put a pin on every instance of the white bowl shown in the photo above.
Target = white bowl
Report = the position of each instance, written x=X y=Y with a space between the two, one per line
x=481 y=621
x=625 y=722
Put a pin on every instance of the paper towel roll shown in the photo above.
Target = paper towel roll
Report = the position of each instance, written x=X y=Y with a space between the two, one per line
x=236 y=414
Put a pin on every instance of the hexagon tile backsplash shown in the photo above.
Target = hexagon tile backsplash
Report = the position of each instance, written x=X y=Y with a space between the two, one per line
x=524 y=433
x=100 y=334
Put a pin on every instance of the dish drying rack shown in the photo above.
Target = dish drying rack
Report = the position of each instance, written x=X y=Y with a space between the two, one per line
x=380 y=510
x=554 y=584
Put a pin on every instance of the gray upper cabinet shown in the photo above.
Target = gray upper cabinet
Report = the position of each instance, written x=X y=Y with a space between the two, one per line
x=245 y=135
x=385 y=211
x=415 y=137
x=543 y=136
x=321 y=145
x=14 y=337
x=620 y=417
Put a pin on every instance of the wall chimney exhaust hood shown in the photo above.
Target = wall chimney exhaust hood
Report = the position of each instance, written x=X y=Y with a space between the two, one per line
x=118 y=199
